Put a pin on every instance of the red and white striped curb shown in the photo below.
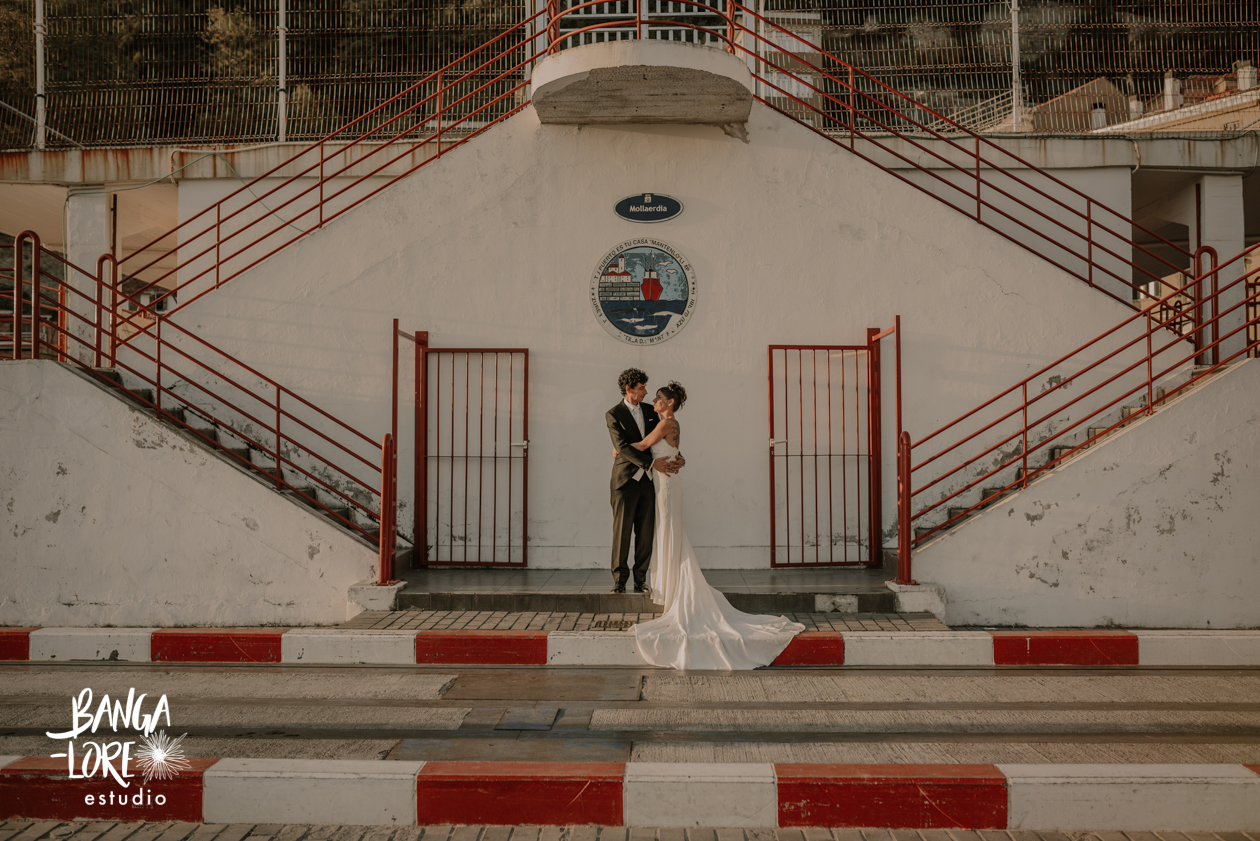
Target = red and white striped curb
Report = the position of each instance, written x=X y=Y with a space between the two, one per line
x=617 y=648
x=264 y=791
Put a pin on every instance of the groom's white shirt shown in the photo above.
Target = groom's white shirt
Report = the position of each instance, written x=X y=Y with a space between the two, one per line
x=636 y=411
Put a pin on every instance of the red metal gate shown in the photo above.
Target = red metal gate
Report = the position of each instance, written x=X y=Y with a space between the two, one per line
x=472 y=455
x=824 y=455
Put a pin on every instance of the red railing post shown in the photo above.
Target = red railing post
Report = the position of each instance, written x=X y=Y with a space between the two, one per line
x=37 y=296
x=321 y=184
x=1213 y=356
x=874 y=427
x=218 y=245
x=638 y=19
x=420 y=538
x=905 y=535
x=770 y=405
x=157 y=388
x=386 y=559
x=977 y=156
x=1150 y=363
x=279 y=474
x=852 y=113
x=18 y=315
x=730 y=26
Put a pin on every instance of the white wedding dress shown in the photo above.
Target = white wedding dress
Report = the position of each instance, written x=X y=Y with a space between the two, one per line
x=699 y=629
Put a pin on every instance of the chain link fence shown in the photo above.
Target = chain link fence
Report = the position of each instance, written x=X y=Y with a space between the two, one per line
x=169 y=72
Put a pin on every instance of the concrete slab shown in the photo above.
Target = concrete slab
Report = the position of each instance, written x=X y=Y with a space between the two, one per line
x=593 y=648
x=314 y=792
x=335 y=646
x=505 y=748
x=700 y=794
x=1199 y=648
x=545 y=686
x=528 y=718
x=1132 y=797
x=132 y=644
x=943 y=648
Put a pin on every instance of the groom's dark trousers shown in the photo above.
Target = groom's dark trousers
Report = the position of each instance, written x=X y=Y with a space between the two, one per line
x=633 y=500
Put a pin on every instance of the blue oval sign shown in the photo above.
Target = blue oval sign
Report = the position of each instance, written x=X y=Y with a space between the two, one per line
x=648 y=207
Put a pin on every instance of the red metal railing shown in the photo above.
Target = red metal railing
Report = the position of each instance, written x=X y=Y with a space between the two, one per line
x=25 y=332
x=307 y=452
x=992 y=446
x=335 y=174
x=993 y=186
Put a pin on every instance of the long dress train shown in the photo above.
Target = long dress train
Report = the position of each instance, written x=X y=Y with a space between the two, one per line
x=699 y=629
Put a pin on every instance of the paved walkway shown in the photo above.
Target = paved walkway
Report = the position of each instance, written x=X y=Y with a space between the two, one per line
x=109 y=831
x=779 y=580
x=469 y=620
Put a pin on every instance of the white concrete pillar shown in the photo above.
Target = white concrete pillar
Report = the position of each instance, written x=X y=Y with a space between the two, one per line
x=1221 y=212
x=88 y=236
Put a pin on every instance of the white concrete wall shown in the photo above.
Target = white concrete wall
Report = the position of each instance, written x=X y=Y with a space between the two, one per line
x=793 y=240
x=1154 y=528
x=109 y=517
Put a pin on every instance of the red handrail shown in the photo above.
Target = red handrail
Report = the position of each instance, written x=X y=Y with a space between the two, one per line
x=199 y=367
x=868 y=104
x=1050 y=426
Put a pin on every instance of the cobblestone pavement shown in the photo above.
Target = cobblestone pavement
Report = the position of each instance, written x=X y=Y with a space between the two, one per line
x=471 y=620
x=109 y=831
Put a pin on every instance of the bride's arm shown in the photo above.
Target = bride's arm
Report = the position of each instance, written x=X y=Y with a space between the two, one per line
x=655 y=435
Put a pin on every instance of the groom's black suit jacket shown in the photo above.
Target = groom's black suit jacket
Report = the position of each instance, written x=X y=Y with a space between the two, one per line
x=624 y=432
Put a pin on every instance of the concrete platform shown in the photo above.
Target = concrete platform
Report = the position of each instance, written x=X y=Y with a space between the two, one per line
x=776 y=591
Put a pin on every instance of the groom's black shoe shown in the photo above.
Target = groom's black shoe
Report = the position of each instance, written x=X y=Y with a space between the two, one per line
x=642 y=588
x=620 y=588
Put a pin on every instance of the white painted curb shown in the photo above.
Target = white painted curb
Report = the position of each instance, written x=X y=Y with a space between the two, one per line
x=592 y=648
x=1198 y=648
x=1132 y=797
x=310 y=791
x=700 y=794
x=333 y=646
x=129 y=644
x=923 y=648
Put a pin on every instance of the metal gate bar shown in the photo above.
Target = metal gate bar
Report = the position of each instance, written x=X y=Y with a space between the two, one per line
x=458 y=461
x=824 y=470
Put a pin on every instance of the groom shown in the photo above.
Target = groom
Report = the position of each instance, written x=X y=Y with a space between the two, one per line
x=633 y=492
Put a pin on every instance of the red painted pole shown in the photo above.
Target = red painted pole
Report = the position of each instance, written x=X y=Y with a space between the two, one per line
x=904 y=535
x=420 y=556
x=875 y=447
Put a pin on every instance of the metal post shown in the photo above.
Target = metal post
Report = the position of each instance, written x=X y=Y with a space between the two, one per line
x=19 y=246
x=41 y=122
x=1150 y=374
x=36 y=298
x=638 y=19
x=875 y=447
x=420 y=555
x=852 y=112
x=770 y=405
x=157 y=391
x=282 y=100
x=386 y=559
x=904 y=535
x=1016 y=92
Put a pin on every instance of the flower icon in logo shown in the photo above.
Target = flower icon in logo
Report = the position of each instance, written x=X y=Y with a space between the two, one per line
x=161 y=756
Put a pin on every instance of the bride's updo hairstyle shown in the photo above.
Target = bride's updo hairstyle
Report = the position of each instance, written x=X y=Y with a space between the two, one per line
x=674 y=391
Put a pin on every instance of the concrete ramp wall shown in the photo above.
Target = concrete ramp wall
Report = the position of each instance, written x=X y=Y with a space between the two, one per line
x=1154 y=528
x=108 y=517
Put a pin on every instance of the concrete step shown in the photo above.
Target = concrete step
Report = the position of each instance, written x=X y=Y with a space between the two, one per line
x=770 y=603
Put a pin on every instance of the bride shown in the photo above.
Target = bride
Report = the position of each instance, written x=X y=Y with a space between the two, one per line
x=699 y=629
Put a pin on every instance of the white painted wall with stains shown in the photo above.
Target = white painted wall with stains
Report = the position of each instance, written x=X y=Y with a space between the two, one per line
x=110 y=518
x=793 y=239
x=1155 y=527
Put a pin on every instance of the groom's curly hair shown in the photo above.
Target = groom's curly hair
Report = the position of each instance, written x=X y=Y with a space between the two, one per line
x=630 y=378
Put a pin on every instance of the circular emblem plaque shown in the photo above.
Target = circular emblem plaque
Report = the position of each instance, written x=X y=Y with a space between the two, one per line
x=643 y=291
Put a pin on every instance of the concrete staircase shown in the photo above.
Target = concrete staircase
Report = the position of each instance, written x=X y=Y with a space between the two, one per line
x=1105 y=427
x=227 y=444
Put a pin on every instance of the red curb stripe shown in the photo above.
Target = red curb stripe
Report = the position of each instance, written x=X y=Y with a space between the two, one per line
x=217 y=645
x=892 y=796
x=1253 y=768
x=39 y=788
x=813 y=648
x=1064 y=648
x=15 y=643
x=482 y=648
x=521 y=793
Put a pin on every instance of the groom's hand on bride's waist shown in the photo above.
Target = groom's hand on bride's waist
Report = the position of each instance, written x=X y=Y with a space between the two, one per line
x=668 y=465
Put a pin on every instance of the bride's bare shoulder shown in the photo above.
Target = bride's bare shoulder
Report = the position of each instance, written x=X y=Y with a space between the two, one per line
x=673 y=432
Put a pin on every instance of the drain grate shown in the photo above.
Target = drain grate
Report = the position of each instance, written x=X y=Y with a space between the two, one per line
x=612 y=625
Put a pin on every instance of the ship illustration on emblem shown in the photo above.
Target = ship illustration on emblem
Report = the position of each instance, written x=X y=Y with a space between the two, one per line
x=643 y=291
